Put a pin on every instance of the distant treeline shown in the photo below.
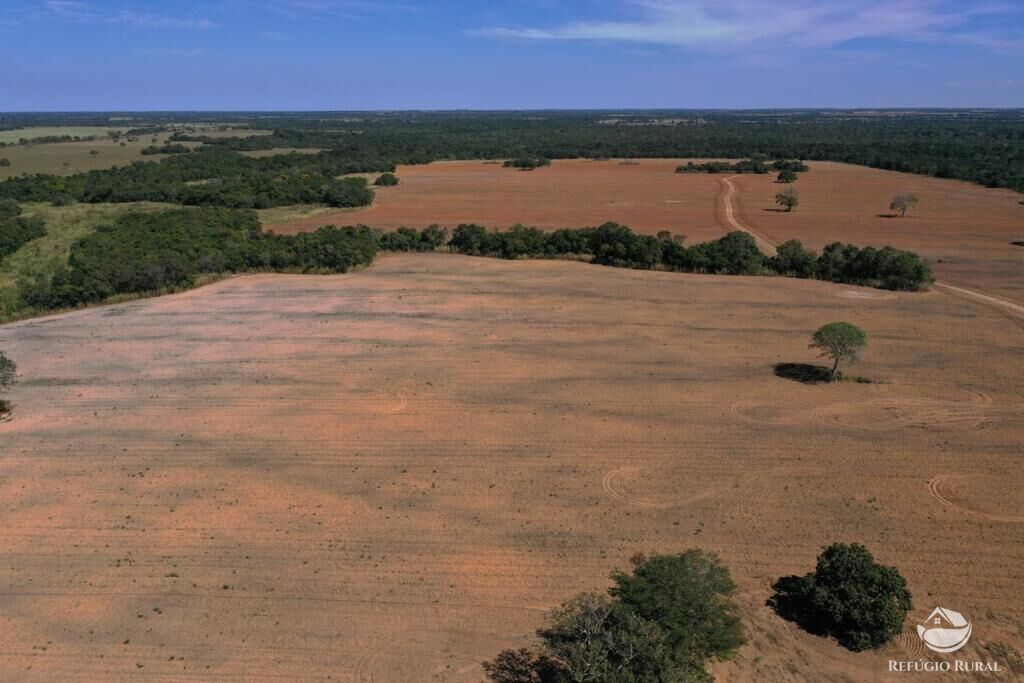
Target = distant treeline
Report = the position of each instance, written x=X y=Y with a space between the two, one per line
x=210 y=177
x=735 y=254
x=982 y=147
x=152 y=252
x=165 y=149
x=16 y=230
x=759 y=166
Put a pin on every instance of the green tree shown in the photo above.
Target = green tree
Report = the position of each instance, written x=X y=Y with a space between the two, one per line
x=788 y=198
x=662 y=623
x=688 y=595
x=849 y=596
x=787 y=177
x=839 y=341
x=903 y=202
x=792 y=259
x=386 y=180
x=5 y=161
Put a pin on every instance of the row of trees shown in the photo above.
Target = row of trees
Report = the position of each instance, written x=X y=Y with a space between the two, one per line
x=168 y=250
x=674 y=613
x=754 y=165
x=735 y=254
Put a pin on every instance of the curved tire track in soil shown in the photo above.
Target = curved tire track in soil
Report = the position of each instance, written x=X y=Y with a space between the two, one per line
x=614 y=486
x=942 y=487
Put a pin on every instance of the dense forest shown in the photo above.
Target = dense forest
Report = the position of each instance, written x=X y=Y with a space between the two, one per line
x=168 y=250
x=16 y=230
x=211 y=177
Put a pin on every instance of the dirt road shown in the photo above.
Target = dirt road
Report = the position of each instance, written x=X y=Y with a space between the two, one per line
x=730 y=217
x=768 y=248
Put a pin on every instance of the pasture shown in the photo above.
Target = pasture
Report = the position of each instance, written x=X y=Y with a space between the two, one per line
x=390 y=475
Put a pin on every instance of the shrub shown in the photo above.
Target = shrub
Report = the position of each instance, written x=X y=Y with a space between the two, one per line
x=849 y=596
x=386 y=180
x=787 y=177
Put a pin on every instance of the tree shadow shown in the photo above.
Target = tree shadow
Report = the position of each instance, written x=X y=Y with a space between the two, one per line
x=1018 y=243
x=778 y=210
x=804 y=373
x=790 y=601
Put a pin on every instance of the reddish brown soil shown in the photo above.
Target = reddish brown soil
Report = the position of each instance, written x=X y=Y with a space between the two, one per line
x=390 y=475
x=573 y=193
x=964 y=229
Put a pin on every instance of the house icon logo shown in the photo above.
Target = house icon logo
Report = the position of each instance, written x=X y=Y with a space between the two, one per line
x=945 y=630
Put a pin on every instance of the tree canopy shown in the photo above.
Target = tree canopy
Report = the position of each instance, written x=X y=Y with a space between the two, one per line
x=849 y=596
x=662 y=622
x=840 y=341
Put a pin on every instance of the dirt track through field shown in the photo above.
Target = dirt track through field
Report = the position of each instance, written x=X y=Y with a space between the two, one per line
x=730 y=216
x=730 y=195
x=390 y=475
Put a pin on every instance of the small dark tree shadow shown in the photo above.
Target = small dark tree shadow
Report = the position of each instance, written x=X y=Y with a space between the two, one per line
x=1018 y=243
x=803 y=372
x=791 y=603
x=778 y=210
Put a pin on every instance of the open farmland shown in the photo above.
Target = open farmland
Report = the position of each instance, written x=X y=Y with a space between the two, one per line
x=390 y=475
x=67 y=158
x=964 y=229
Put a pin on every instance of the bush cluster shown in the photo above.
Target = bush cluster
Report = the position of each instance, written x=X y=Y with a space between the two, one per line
x=527 y=163
x=662 y=622
x=165 y=149
x=612 y=244
x=885 y=268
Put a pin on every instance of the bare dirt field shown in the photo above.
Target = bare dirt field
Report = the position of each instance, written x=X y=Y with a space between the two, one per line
x=573 y=193
x=391 y=475
x=965 y=230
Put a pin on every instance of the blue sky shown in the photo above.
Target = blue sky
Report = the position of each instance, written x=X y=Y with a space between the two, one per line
x=500 y=54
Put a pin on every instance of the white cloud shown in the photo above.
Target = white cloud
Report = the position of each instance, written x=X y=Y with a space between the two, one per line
x=73 y=10
x=714 y=24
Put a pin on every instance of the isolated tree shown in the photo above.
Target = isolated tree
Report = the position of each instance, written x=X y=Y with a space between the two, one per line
x=849 y=596
x=839 y=341
x=386 y=180
x=903 y=202
x=788 y=198
x=5 y=162
x=94 y=152
x=8 y=370
x=787 y=177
